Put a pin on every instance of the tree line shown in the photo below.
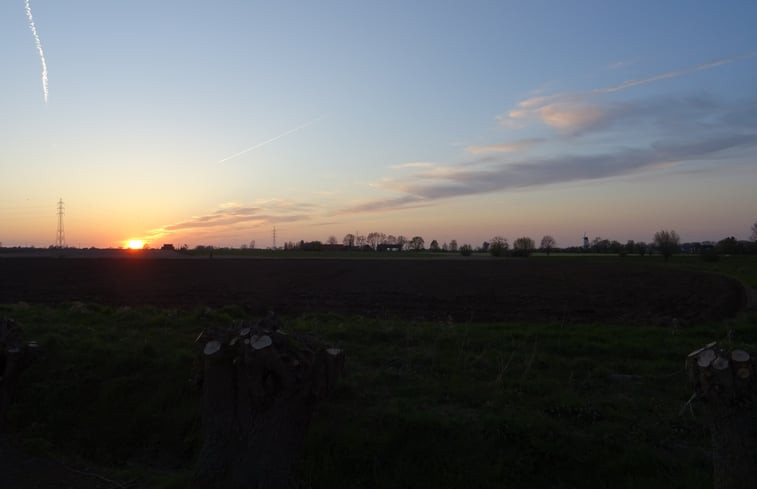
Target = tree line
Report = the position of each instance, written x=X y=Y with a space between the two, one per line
x=664 y=242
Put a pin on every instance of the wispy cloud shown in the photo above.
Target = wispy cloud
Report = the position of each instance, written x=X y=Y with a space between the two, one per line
x=688 y=130
x=673 y=74
x=413 y=164
x=233 y=215
x=511 y=147
x=567 y=113
x=405 y=202
x=575 y=112
x=38 y=45
x=618 y=64
x=275 y=138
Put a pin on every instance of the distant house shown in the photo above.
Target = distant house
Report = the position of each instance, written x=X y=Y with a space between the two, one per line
x=389 y=247
x=168 y=247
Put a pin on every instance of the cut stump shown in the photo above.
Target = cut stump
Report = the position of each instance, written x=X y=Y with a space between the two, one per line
x=723 y=383
x=260 y=387
x=15 y=355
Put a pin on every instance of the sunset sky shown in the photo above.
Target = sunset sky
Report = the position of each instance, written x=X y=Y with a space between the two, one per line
x=212 y=122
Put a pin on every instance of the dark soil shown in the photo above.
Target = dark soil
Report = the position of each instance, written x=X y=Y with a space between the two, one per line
x=478 y=289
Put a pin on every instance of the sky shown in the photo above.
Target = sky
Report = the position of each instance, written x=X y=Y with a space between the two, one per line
x=211 y=123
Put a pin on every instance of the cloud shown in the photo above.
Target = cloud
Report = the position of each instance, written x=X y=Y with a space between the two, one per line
x=618 y=64
x=404 y=202
x=232 y=215
x=575 y=112
x=567 y=113
x=413 y=164
x=674 y=74
x=499 y=175
x=636 y=137
x=512 y=147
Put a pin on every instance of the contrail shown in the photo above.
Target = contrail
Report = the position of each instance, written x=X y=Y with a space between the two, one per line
x=303 y=126
x=673 y=74
x=37 y=43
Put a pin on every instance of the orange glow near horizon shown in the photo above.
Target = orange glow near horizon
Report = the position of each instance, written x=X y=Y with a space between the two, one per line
x=136 y=244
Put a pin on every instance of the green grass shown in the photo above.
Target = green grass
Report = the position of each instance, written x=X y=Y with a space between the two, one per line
x=420 y=405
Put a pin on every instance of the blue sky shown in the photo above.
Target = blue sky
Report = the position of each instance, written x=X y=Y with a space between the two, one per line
x=210 y=123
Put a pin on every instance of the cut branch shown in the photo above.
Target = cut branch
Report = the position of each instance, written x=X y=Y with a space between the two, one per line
x=722 y=383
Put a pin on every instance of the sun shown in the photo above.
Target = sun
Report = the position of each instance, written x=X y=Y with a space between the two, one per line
x=136 y=244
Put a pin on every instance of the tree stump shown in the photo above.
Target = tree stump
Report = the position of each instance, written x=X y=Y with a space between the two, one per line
x=14 y=357
x=723 y=384
x=260 y=388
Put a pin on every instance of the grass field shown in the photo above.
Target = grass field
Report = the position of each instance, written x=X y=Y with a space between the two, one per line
x=421 y=405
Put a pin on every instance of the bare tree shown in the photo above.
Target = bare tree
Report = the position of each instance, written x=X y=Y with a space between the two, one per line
x=417 y=243
x=375 y=238
x=753 y=237
x=498 y=246
x=453 y=246
x=547 y=243
x=331 y=240
x=401 y=240
x=666 y=242
x=349 y=240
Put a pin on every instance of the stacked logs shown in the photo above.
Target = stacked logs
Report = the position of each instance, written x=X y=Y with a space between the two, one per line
x=15 y=355
x=260 y=387
x=723 y=383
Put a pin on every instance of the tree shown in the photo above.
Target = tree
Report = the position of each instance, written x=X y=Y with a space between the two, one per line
x=466 y=250
x=547 y=243
x=416 y=243
x=401 y=240
x=727 y=246
x=666 y=242
x=434 y=246
x=523 y=246
x=453 y=246
x=498 y=246
x=331 y=240
x=349 y=240
x=374 y=239
x=753 y=237
x=630 y=247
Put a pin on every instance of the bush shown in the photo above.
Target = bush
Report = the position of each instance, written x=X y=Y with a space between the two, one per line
x=523 y=246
